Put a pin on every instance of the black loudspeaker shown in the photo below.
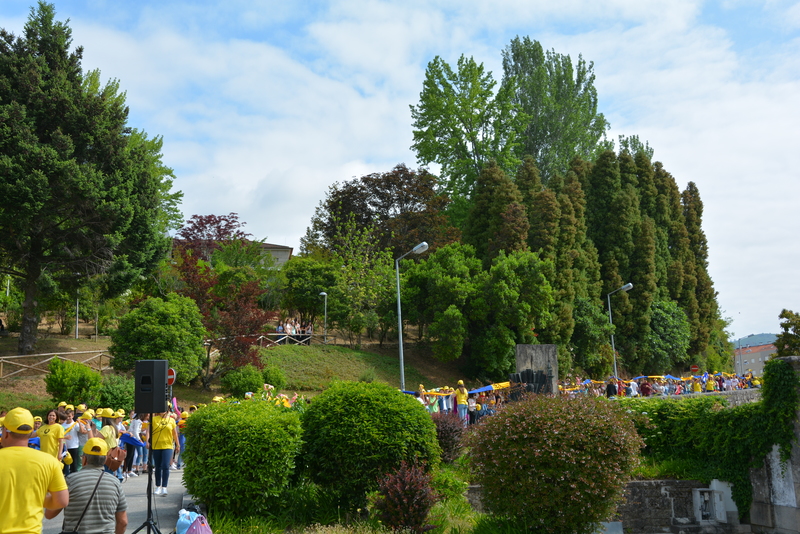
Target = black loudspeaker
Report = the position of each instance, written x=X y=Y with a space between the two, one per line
x=151 y=386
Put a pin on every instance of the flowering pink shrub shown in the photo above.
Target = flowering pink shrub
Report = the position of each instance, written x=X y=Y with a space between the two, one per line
x=554 y=465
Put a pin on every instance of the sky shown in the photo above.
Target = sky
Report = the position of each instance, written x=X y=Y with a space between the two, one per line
x=264 y=104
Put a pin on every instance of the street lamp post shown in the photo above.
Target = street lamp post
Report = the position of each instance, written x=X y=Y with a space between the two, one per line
x=626 y=287
x=419 y=249
x=325 y=327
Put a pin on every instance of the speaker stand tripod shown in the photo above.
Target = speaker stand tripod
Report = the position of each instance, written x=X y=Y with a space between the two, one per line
x=149 y=523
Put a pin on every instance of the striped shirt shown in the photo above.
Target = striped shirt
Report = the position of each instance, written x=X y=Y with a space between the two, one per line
x=100 y=517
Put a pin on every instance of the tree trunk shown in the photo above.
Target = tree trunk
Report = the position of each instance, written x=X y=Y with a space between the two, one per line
x=30 y=319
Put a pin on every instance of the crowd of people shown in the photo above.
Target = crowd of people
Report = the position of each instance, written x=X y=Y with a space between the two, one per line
x=292 y=331
x=647 y=386
x=74 y=460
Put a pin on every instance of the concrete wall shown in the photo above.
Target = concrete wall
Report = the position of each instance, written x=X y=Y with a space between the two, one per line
x=539 y=358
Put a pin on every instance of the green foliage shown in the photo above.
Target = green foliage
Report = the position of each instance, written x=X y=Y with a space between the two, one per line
x=241 y=380
x=72 y=382
x=787 y=342
x=355 y=432
x=84 y=194
x=449 y=481
x=668 y=339
x=554 y=464
x=169 y=329
x=118 y=392
x=710 y=441
x=240 y=456
x=405 y=498
x=306 y=278
x=449 y=433
x=559 y=101
x=460 y=123
x=364 y=281
x=274 y=375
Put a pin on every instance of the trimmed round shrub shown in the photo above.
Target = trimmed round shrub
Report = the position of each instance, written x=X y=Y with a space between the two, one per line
x=170 y=329
x=72 y=382
x=554 y=465
x=356 y=432
x=118 y=392
x=274 y=375
x=239 y=381
x=240 y=456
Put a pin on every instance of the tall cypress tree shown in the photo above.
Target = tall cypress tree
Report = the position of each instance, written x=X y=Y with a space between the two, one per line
x=704 y=288
x=489 y=219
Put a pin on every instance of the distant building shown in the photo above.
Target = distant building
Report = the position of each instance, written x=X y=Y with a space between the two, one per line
x=752 y=352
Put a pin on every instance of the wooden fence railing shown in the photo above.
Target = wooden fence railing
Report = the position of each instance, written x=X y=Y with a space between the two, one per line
x=36 y=364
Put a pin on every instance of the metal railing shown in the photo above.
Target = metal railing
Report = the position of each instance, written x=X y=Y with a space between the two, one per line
x=36 y=364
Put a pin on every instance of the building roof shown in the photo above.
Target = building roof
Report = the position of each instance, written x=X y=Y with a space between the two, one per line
x=755 y=340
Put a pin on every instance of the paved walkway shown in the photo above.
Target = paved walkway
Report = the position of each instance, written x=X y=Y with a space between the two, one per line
x=165 y=508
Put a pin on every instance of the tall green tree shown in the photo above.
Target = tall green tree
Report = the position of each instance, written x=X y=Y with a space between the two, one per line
x=497 y=220
x=306 y=278
x=402 y=205
x=82 y=193
x=559 y=101
x=461 y=123
x=787 y=342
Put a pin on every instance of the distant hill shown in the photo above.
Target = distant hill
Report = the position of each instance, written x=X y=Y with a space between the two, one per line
x=755 y=340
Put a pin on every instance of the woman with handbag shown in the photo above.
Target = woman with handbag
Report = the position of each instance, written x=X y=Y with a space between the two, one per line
x=165 y=440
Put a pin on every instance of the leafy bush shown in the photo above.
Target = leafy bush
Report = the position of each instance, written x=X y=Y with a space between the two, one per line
x=170 y=329
x=405 y=498
x=275 y=376
x=118 y=392
x=449 y=433
x=356 y=432
x=72 y=382
x=240 y=456
x=554 y=464
x=241 y=380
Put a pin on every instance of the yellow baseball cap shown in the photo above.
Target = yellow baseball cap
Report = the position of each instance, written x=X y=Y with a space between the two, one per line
x=37 y=419
x=69 y=407
x=460 y=382
x=87 y=415
x=120 y=413
x=81 y=407
x=19 y=421
x=95 y=447
x=184 y=415
x=217 y=399
x=62 y=403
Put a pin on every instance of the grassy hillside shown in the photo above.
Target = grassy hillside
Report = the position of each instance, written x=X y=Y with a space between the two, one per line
x=313 y=368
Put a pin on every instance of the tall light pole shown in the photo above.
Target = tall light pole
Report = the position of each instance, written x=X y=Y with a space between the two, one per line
x=626 y=287
x=419 y=249
x=325 y=327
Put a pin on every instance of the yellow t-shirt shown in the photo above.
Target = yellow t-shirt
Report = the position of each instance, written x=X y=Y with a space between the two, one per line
x=48 y=438
x=110 y=435
x=162 y=432
x=27 y=475
x=461 y=396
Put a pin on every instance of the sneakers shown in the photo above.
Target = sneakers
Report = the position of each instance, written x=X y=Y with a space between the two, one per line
x=158 y=490
x=163 y=491
x=133 y=474
x=173 y=467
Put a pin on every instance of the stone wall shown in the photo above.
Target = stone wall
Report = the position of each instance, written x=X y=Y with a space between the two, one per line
x=657 y=505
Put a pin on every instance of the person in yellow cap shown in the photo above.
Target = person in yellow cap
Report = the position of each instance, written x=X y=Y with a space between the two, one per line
x=37 y=423
x=107 y=509
x=51 y=436
x=31 y=480
x=462 y=401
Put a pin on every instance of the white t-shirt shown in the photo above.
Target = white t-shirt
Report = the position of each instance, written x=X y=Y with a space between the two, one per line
x=72 y=440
